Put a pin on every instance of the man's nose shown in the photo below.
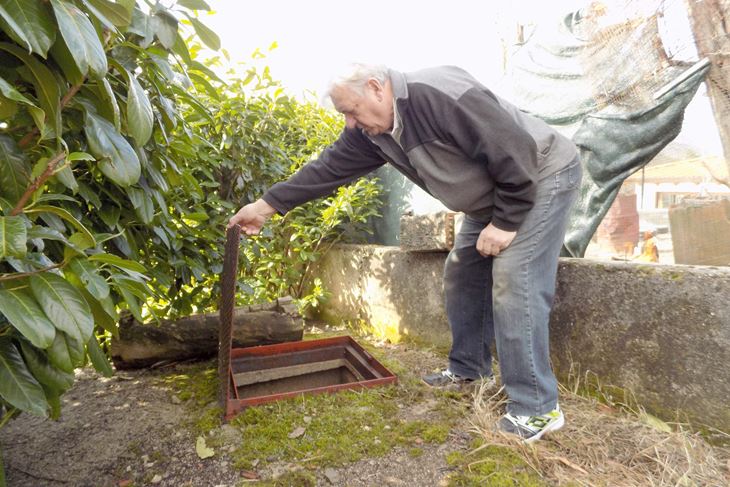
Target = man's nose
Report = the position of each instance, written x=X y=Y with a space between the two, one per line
x=350 y=122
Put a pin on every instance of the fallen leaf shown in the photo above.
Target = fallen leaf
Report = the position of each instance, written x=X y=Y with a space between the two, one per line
x=125 y=483
x=248 y=474
x=296 y=433
x=202 y=450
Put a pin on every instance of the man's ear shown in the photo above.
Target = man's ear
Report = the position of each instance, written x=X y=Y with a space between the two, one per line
x=377 y=88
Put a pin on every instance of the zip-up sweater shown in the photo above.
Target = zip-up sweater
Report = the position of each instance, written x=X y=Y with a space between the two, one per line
x=461 y=143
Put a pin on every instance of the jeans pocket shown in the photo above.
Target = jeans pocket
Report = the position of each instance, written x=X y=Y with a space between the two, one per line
x=574 y=173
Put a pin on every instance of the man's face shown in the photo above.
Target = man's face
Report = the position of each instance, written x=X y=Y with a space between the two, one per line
x=371 y=111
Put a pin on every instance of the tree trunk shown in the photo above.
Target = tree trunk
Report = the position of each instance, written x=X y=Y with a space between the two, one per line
x=196 y=336
x=709 y=20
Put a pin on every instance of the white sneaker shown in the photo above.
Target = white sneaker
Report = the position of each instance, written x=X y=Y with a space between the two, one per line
x=531 y=428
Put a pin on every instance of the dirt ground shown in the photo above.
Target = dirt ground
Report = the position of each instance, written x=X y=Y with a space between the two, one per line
x=133 y=429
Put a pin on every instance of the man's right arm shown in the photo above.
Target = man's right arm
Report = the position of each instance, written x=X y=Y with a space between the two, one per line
x=350 y=157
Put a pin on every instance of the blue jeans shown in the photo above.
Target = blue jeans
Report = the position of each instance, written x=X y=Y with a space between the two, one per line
x=507 y=298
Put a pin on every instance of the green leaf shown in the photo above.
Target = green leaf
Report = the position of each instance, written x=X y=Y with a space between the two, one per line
x=162 y=236
x=63 y=304
x=45 y=373
x=110 y=215
x=14 y=171
x=109 y=12
x=142 y=203
x=89 y=195
x=193 y=4
x=139 y=112
x=98 y=358
x=23 y=312
x=81 y=241
x=128 y=5
x=65 y=60
x=130 y=300
x=202 y=80
x=142 y=26
x=80 y=156
x=196 y=216
x=29 y=23
x=65 y=215
x=206 y=35
x=111 y=110
x=13 y=237
x=118 y=161
x=81 y=39
x=66 y=177
x=11 y=93
x=66 y=353
x=118 y=262
x=8 y=108
x=54 y=402
x=103 y=311
x=45 y=85
x=89 y=275
x=45 y=233
x=102 y=317
x=17 y=385
x=165 y=26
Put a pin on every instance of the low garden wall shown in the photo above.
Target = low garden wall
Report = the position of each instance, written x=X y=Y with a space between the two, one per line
x=662 y=332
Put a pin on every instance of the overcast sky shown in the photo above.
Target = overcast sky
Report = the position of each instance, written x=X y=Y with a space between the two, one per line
x=316 y=37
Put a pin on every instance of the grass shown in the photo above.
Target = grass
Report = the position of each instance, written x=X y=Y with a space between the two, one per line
x=603 y=444
x=608 y=438
x=493 y=465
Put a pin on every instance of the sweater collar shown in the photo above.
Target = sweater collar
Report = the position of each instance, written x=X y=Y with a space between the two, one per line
x=398 y=84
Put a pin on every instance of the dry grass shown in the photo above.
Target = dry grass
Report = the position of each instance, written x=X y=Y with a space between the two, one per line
x=607 y=446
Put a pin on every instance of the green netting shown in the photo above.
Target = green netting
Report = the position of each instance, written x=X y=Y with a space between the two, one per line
x=600 y=79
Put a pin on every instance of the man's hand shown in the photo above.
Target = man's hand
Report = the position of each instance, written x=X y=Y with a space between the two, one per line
x=492 y=240
x=252 y=217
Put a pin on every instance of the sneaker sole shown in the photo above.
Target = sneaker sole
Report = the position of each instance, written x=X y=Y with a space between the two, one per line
x=472 y=383
x=548 y=429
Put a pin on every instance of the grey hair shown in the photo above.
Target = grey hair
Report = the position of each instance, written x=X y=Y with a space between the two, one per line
x=356 y=75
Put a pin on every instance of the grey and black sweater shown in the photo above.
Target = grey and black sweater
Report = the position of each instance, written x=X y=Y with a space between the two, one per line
x=461 y=143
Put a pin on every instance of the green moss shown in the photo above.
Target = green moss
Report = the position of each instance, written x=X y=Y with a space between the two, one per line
x=339 y=428
x=415 y=452
x=494 y=466
x=343 y=427
x=207 y=420
x=674 y=275
x=199 y=384
x=646 y=269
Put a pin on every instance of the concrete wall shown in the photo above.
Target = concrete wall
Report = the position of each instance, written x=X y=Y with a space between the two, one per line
x=662 y=332
x=701 y=232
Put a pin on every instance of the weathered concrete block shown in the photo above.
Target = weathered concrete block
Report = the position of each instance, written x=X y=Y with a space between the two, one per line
x=427 y=233
x=701 y=232
x=398 y=293
x=661 y=331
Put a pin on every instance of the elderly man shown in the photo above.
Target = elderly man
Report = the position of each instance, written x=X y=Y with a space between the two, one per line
x=515 y=180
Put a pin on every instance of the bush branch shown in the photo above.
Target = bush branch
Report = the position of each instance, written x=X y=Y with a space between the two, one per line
x=37 y=183
x=18 y=275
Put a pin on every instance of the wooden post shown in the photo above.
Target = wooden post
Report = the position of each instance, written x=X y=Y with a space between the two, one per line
x=709 y=21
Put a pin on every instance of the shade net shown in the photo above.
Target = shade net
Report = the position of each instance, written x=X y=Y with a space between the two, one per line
x=615 y=79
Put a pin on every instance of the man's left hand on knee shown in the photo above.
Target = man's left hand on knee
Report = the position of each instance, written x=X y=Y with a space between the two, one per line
x=493 y=240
